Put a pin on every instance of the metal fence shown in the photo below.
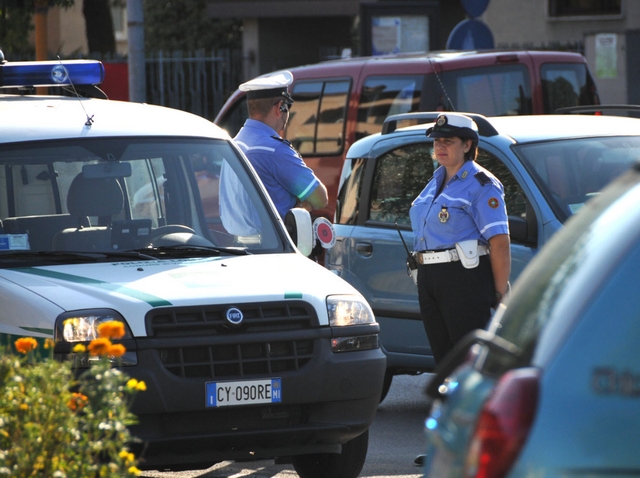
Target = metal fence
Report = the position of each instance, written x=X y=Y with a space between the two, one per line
x=198 y=82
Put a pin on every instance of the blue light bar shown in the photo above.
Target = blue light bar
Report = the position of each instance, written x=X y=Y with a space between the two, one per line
x=51 y=73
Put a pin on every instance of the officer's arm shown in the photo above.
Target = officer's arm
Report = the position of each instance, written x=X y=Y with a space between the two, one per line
x=500 y=261
x=317 y=200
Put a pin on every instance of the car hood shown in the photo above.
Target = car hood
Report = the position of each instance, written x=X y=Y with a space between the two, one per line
x=134 y=288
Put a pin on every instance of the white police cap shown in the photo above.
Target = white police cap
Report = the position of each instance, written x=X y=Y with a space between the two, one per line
x=272 y=86
x=454 y=125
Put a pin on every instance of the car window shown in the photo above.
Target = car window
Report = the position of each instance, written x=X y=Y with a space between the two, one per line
x=318 y=116
x=565 y=84
x=400 y=175
x=491 y=91
x=382 y=96
x=514 y=196
x=106 y=194
x=234 y=118
x=348 y=204
x=570 y=172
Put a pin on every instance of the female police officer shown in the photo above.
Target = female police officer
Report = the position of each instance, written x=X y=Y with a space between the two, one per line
x=461 y=236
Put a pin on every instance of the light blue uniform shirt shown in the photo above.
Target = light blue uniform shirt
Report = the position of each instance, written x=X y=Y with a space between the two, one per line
x=474 y=202
x=280 y=167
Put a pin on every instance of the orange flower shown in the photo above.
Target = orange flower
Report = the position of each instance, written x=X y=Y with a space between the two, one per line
x=77 y=401
x=99 y=346
x=116 y=350
x=111 y=330
x=24 y=345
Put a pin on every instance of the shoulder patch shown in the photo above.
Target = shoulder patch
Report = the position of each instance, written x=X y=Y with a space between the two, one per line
x=482 y=178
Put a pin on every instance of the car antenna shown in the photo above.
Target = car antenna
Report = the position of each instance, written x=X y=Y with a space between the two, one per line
x=89 y=121
x=444 y=90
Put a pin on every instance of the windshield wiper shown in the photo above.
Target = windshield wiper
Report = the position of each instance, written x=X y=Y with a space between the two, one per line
x=182 y=250
x=66 y=257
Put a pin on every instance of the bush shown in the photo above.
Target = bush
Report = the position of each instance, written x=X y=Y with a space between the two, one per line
x=59 y=422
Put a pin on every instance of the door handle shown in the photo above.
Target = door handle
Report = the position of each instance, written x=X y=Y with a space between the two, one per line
x=364 y=249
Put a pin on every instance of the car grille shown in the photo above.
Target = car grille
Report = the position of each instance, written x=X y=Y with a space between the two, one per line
x=238 y=355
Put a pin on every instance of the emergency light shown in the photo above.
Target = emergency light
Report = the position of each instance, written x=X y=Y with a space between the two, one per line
x=51 y=73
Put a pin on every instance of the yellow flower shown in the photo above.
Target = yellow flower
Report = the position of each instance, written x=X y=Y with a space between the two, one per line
x=132 y=383
x=134 y=471
x=99 y=346
x=111 y=330
x=141 y=386
x=49 y=343
x=24 y=345
x=24 y=406
x=79 y=349
x=116 y=350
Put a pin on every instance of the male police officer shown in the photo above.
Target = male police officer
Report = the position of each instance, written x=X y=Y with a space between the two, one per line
x=289 y=182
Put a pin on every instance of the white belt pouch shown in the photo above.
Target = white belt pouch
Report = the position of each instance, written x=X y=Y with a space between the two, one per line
x=468 y=253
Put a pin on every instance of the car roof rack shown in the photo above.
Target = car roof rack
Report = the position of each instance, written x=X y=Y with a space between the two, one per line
x=485 y=128
x=83 y=74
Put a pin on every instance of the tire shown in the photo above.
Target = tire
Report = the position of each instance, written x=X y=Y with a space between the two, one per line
x=386 y=385
x=347 y=464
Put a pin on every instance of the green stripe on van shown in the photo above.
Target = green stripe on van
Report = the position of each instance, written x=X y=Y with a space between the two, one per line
x=152 y=300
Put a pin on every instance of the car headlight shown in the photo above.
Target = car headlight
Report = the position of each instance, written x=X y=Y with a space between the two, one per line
x=82 y=325
x=348 y=310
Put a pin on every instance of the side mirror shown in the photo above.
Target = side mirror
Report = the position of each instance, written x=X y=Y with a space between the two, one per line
x=298 y=224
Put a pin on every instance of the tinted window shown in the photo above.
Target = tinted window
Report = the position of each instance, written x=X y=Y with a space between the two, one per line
x=382 y=96
x=492 y=91
x=565 y=85
x=399 y=177
x=558 y=8
x=318 y=116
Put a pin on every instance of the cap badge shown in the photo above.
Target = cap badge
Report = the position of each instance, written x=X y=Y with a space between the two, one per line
x=442 y=120
x=443 y=215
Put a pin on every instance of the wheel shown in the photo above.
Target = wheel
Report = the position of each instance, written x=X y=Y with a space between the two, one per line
x=347 y=464
x=386 y=385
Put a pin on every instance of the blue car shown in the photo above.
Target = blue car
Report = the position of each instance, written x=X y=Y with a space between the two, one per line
x=550 y=167
x=552 y=387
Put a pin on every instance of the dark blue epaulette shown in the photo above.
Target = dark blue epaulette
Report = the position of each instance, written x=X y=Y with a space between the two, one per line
x=482 y=178
x=282 y=140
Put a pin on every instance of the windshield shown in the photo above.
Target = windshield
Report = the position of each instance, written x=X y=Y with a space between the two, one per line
x=112 y=195
x=569 y=172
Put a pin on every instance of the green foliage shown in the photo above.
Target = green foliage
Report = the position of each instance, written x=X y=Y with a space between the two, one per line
x=16 y=24
x=54 y=424
x=185 y=25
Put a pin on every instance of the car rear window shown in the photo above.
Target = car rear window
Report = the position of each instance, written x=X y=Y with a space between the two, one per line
x=566 y=84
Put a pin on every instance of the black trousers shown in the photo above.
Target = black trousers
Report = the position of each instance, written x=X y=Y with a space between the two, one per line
x=454 y=301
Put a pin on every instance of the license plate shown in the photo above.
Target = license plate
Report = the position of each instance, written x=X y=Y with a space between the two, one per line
x=245 y=392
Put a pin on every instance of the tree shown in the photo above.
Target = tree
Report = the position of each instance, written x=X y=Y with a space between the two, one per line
x=16 y=24
x=183 y=25
x=99 y=26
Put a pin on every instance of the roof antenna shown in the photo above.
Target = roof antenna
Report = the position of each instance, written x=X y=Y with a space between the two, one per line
x=89 y=121
x=444 y=90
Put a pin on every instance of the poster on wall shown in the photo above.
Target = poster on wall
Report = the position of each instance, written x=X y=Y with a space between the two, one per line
x=399 y=34
x=606 y=55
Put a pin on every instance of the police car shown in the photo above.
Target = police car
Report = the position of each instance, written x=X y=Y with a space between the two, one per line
x=111 y=211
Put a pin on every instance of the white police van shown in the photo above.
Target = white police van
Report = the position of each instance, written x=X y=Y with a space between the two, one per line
x=130 y=212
